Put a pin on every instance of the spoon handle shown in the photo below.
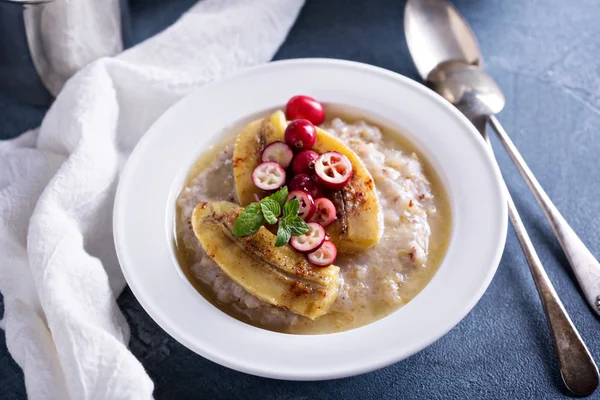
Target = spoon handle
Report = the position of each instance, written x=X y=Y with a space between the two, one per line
x=577 y=367
x=585 y=267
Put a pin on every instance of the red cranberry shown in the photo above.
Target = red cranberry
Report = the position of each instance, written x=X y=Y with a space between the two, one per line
x=300 y=134
x=307 y=204
x=306 y=183
x=304 y=162
x=306 y=108
x=325 y=212
x=333 y=170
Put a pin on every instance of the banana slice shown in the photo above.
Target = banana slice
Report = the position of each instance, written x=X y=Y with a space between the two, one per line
x=359 y=224
x=248 y=148
x=276 y=275
x=359 y=221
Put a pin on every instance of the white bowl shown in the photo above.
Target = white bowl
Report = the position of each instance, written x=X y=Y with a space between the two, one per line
x=154 y=174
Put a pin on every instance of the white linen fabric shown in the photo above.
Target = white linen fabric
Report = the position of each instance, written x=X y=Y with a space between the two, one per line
x=59 y=274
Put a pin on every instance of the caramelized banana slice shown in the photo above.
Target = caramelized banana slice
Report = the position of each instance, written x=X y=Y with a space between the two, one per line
x=359 y=224
x=248 y=147
x=276 y=275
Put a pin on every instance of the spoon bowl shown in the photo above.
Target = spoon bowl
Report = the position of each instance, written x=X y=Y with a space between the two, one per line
x=468 y=87
x=437 y=32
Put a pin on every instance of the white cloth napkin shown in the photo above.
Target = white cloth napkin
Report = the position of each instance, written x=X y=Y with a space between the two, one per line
x=58 y=270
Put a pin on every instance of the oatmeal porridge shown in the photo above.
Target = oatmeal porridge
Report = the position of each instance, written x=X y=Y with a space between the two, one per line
x=387 y=250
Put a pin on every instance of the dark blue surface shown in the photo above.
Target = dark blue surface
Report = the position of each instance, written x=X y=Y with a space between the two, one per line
x=544 y=54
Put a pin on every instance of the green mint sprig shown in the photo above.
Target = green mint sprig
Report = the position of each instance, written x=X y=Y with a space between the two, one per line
x=269 y=209
x=291 y=224
x=249 y=221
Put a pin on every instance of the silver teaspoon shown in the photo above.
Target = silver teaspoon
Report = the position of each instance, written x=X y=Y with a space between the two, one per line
x=458 y=83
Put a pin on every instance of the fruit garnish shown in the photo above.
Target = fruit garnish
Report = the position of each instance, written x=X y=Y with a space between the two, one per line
x=300 y=134
x=333 y=170
x=325 y=212
x=306 y=183
x=304 y=162
x=270 y=209
x=311 y=240
x=307 y=204
x=351 y=231
x=324 y=255
x=268 y=176
x=274 y=275
x=278 y=152
x=306 y=108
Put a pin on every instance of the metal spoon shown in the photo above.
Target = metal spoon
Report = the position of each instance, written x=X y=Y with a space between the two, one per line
x=454 y=36
x=577 y=367
x=437 y=32
x=481 y=96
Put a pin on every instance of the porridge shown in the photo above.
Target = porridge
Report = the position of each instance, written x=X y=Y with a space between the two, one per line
x=387 y=246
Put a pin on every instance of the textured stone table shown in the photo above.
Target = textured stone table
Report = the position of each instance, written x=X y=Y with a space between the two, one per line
x=544 y=54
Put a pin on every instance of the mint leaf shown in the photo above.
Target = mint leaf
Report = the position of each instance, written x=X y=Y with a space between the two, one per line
x=270 y=209
x=291 y=207
x=249 y=221
x=296 y=225
x=280 y=196
x=283 y=234
x=291 y=221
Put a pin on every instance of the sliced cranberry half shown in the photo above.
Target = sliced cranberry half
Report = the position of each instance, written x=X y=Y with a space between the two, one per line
x=307 y=204
x=268 y=176
x=333 y=170
x=278 y=152
x=311 y=240
x=325 y=212
x=324 y=255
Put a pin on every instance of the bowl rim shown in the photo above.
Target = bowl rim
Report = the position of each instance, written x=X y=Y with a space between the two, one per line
x=271 y=365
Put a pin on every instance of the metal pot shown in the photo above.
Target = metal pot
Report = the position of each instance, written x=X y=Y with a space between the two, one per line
x=25 y=72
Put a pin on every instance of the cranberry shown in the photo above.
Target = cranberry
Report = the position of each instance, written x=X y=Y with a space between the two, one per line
x=306 y=183
x=307 y=204
x=309 y=241
x=304 y=162
x=305 y=107
x=325 y=212
x=333 y=170
x=268 y=176
x=324 y=255
x=300 y=134
x=279 y=152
